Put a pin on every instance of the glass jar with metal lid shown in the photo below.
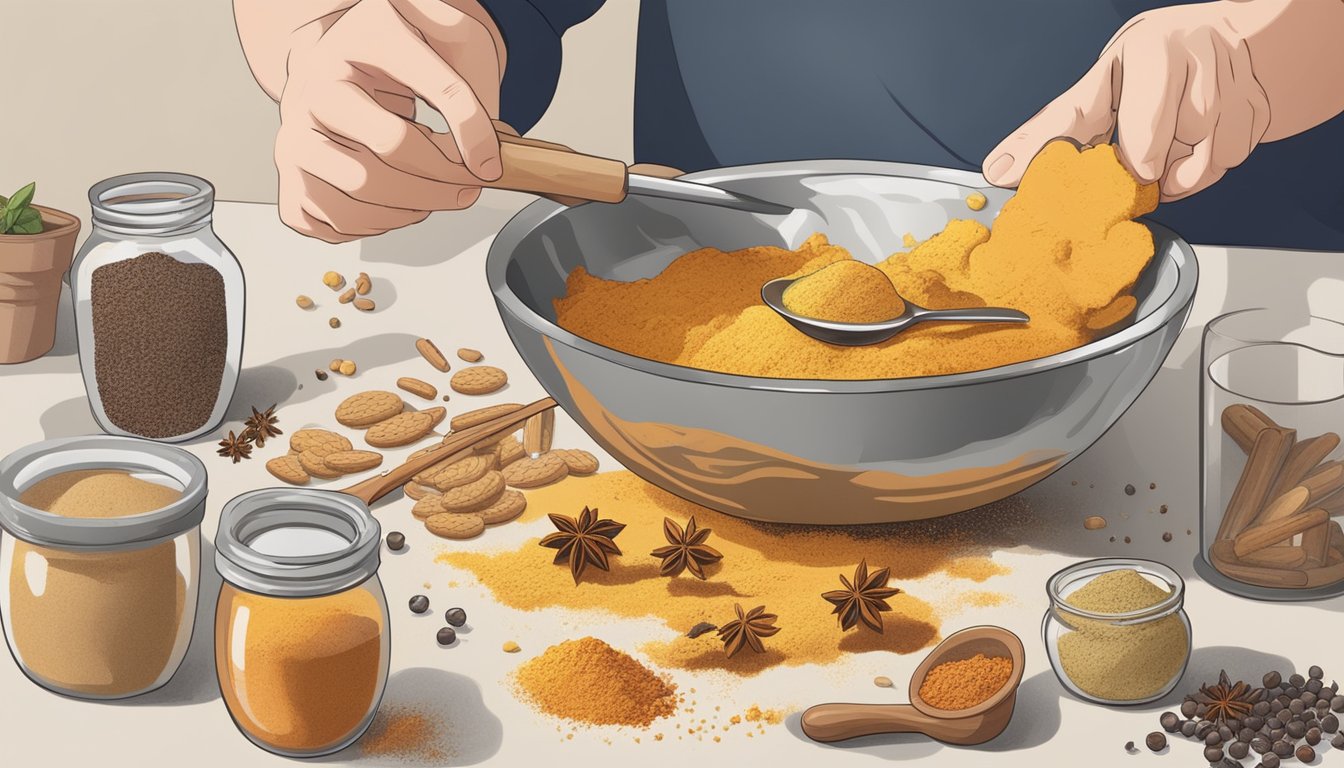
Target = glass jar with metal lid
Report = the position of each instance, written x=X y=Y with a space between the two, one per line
x=99 y=567
x=158 y=308
x=302 y=642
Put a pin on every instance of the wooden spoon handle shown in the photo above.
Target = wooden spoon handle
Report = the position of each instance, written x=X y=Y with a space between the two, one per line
x=379 y=486
x=544 y=168
x=837 y=722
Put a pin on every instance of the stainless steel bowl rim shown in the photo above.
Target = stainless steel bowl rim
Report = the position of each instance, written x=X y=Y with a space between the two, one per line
x=530 y=217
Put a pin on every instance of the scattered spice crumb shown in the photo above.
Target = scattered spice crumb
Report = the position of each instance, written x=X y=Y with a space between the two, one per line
x=1094 y=523
x=405 y=733
x=755 y=714
x=588 y=681
x=511 y=647
x=882 y=681
x=1152 y=486
x=320 y=374
x=334 y=322
x=1162 y=509
x=975 y=568
x=1127 y=540
x=304 y=302
x=1166 y=536
x=1129 y=489
x=1130 y=748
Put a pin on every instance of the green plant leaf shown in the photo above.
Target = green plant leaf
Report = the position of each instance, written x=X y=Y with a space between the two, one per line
x=23 y=197
x=29 y=222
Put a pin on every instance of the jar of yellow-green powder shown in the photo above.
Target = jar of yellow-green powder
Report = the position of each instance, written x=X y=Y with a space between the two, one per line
x=1116 y=631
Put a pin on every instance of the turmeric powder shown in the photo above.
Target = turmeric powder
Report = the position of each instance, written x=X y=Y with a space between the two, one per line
x=963 y=684
x=1064 y=250
x=589 y=681
x=845 y=292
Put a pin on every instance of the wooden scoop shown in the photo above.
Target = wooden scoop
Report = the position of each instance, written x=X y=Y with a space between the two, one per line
x=379 y=486
x=975 y=725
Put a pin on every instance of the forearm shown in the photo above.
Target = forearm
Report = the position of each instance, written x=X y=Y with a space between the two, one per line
x=267 y=30
x=1297 y=53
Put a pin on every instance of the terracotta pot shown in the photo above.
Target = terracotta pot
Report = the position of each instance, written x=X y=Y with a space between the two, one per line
x=31 y=272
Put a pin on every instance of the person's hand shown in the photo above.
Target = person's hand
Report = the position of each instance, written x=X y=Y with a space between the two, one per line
x=351 y=159
x=1175 y=88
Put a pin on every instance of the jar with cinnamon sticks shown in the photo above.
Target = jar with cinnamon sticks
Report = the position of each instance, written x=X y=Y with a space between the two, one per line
x=1273 y=473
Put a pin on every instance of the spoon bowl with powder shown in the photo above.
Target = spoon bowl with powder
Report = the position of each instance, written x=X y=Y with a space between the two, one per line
x=962 y=693
x=852 y=304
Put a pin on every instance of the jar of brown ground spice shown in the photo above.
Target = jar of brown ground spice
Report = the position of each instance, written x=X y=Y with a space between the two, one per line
x=301 y=627
x=158 y=308
x=100 y=562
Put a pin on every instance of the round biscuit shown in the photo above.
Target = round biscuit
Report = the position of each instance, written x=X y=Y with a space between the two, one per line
x=417 y=491
x=456 y=526
x=508 y=506
x=314 y=464
x=461 y=472
x=402 y=429
x=528 y=472
x=479 y=380
x=474 y=495
x=347 y=462
x=427 y=506
x=579 y=461
x=364 y=409
x=322 y=440
x=288 y=469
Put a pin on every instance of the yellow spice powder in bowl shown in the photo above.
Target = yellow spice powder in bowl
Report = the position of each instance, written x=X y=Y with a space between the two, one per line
x=845 y=292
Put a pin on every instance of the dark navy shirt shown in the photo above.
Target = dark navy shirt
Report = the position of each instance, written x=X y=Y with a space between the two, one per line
x=940 y=82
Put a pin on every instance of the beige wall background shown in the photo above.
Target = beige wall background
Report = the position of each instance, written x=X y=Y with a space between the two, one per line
x=97 y=88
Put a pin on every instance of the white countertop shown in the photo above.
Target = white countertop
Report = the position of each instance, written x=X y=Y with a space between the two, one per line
x=429 y=281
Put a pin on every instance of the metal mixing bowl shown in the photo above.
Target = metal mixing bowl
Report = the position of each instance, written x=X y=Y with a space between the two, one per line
x=807 y=451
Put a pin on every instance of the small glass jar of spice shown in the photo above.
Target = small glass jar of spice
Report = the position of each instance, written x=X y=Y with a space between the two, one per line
x=158 y=308
x=301 y=626
x=1116 y=631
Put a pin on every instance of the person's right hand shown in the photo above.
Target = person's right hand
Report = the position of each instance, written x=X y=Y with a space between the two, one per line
x=352 y=161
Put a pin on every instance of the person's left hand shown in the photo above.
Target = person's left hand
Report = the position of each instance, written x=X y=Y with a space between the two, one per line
x=1174 y=88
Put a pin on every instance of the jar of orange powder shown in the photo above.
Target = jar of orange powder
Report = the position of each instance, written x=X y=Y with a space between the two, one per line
x=301 y=627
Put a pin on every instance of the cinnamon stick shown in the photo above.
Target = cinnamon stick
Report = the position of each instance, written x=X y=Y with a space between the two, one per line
x=1315 y=545
x=1267 y=455
x=1225 y=560
x=1277 y=557
x=1243 y=423
x=1302 y=460
x=1258 y=537
x=1324 y=481
x=1290 y=503
x=537 y=433
x=1325 y=575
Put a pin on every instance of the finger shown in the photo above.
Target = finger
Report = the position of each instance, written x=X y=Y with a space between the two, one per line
x=349 y=111
x=361 y=175
x=296 y=218
x=413 y=63
x=349 y=216
x=1081 y=113
x=449 y=31
x=1249 y=85
x=1151 y=87
x=1199 y=106
x=1192 y=173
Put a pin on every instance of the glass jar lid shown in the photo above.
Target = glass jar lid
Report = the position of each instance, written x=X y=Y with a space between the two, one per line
x=144 y=459
x=156 y=203
x=296 y=543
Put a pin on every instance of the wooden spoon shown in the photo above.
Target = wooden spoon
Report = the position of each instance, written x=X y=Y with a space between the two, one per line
x=974 y=725
x=380 y=485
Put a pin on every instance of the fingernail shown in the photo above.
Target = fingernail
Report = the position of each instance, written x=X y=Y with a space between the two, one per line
x=1000 y=166
x=490 y=169
x=468 y=196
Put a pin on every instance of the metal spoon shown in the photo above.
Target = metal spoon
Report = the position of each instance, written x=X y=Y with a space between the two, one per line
x=863 y=334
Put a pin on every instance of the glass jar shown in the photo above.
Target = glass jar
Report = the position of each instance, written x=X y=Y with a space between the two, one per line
x=1272 y=412
x=99 y=571
x=1129 y=657
x=301 y=628
x=158 y=308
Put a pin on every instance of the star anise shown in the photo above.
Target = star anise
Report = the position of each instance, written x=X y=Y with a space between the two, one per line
x=1226 y=701
x=235 y=447
x=747 y=630
x=686 y=549
x=261 y=426
x=864 y=599
x=583 y=542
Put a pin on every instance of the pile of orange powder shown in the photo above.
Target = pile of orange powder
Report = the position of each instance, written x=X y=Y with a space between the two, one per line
x=1064 y=250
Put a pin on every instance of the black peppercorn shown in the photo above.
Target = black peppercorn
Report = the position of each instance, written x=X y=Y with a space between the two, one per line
x=1307 y=698
x=1189 y=707
x=1315 y=672
x=1204 y=728
x=1283 y=748
x=1261 y=708
x=1337 y=704
x=1213 y=754
x=1270 y=760
x=1246 y=734
x=1171 y=722
x=1272 y=680
x=1156 y=741
x=1188 y=728
x=1238 y=750
x=456 y=617
x=1213 y=739
x=1306 y=754
x=1313 y=736
x=1315 y=686
x=1338 y=741
x=446 y=636
x=1274 y=723
x=1260 y=744
x=1330 y=723
x=1296 y=729
x=1296 y=680
x=419 y=604
x=396 y=540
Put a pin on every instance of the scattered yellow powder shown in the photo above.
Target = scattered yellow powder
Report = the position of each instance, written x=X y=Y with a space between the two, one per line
x=755 y=714
x=785 y=568
x=591 y=682
x=982 y=599
x=845 y=292
x=976 y=568
x=1064 y=250
x=1122 y=662
x=511 y=647
x=909 y=240
x=964 y=683
x=976 y=201
x=405 y=734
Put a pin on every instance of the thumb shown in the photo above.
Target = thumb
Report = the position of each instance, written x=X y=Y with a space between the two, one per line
x=1083 y=113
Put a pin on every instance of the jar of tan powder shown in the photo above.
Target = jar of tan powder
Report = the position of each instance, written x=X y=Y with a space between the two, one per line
x=1116 y=631
x=100 y=562
x=301 y=627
